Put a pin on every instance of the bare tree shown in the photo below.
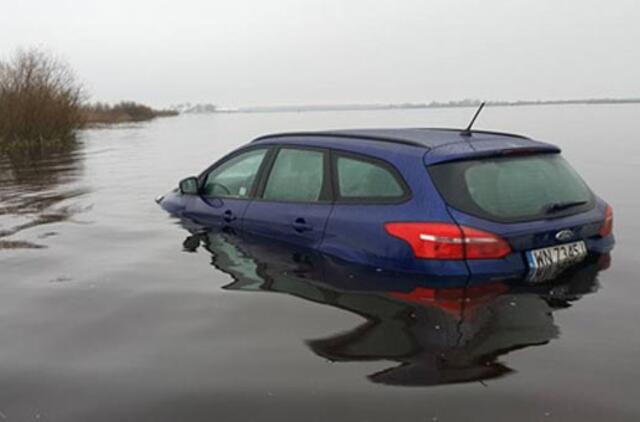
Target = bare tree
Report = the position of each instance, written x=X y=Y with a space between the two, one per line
x=40 y=100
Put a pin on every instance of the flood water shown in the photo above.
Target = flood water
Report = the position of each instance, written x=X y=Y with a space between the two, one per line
x=110 y=310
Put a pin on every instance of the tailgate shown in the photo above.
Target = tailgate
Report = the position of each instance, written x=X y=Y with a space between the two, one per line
x=533 y=201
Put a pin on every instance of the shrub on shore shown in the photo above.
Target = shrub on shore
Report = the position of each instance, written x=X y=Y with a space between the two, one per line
x=42 y=104
x=40 y=101
x=125 y=111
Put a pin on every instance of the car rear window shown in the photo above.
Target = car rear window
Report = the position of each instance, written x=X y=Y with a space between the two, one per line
x=509 y=189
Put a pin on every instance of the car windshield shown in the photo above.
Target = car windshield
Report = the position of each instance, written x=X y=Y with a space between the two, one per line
x=509 y=189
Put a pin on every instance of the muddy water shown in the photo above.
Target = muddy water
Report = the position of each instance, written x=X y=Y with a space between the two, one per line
x=111 y=310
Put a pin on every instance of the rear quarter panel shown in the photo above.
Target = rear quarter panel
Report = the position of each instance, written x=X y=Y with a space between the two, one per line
x=355 y=232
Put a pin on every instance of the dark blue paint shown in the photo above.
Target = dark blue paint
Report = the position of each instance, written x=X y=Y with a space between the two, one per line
x=223 y=213
x=300 y=225
x=354 y=233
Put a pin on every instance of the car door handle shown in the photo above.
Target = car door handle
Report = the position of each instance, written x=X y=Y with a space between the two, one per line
x=228 y=216
x=300 y=225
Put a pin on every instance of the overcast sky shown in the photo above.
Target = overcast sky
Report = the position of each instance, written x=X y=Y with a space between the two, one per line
x=262 y=52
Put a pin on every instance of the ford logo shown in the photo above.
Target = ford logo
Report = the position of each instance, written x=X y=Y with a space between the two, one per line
x=564 y=235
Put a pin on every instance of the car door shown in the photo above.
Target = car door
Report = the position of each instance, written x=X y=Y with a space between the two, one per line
x=226 y=190
x=293 y=203
x=369 y=192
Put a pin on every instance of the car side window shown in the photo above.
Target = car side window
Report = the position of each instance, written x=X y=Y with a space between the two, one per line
x=234 y=178
x=362 y=179
x=297 y=175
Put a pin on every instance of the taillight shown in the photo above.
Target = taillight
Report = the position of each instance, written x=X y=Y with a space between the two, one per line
x=484 y=245
x=449 y=241
x=607 y=225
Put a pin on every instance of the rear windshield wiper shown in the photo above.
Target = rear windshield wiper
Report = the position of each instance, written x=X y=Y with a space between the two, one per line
x=559 y=206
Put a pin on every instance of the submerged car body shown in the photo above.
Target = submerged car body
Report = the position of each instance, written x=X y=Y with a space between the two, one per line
x=438 y=202
x=422 y=331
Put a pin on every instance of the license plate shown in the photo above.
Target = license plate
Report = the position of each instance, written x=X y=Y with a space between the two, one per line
x=547 y=263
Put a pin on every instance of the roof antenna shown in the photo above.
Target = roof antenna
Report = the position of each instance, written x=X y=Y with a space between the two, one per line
x=467 y=131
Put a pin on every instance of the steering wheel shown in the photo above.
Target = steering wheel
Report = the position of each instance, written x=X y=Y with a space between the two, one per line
x=223 y=187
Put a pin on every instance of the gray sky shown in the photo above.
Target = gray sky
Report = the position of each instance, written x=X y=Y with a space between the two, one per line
x=242 y=52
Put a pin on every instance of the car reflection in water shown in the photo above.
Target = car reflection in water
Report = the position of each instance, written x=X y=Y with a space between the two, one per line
x=438 y=334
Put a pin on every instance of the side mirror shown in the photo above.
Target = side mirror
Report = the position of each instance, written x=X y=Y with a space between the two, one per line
x=189 y=186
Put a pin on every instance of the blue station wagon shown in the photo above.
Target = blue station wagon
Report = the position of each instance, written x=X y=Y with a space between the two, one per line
x=436 y=202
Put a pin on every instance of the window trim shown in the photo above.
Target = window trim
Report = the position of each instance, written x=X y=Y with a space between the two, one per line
x=367 y=200
x=329 y=193
x=202 y=177
x=326 y=191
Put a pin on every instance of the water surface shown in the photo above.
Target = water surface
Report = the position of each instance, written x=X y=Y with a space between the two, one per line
x=111 y=310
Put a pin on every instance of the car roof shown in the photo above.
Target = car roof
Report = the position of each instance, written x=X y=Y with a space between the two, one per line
x=423 y=137
x=439 y=144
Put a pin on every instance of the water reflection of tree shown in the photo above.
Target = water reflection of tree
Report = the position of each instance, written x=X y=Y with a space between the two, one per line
x=436 y=335
x=34 y=183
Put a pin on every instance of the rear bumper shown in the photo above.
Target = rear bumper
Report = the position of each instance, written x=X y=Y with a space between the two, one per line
x=515 y=266
x=512 y=268
x=601 y=245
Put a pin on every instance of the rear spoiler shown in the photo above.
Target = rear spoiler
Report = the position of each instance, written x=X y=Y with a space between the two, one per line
x=475 y=150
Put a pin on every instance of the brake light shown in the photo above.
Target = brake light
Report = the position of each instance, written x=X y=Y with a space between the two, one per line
x=449 y=241
x=484 y=245
x=607 y=225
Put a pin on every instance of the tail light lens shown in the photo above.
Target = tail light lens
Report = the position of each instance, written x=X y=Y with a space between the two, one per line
x=449 y=241
x=484 y=245
x=607 y=225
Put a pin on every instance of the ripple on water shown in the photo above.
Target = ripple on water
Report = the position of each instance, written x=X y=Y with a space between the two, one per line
x=38 y=189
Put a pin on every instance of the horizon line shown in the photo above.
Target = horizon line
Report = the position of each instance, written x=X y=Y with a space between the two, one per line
x=212 y=108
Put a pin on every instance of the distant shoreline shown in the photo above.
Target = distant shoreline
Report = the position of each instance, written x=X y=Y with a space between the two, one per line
x=101 y=114
x=209 y=108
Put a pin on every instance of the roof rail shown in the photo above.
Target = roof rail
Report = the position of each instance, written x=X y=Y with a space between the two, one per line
x=480 y=131
x=343 y=135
